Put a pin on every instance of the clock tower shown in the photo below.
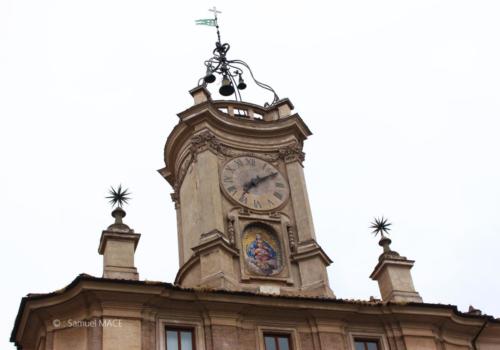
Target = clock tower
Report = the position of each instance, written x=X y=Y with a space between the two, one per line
x=243 y=216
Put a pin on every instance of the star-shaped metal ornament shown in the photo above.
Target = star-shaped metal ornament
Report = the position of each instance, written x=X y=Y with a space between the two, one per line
x=118 y=197
x=380 y=226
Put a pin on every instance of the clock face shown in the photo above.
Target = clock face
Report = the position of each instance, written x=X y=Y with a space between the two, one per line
x=254 y=183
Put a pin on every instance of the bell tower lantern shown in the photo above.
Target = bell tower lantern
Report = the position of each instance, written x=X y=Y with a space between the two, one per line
x=243 y=215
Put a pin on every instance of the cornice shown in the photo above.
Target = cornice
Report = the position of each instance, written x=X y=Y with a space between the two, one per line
x=390 y=262
x=243 y=126
x=214 y=239
x=117 y=236
x=309 y=249
x=207 y=112
x=438 y=313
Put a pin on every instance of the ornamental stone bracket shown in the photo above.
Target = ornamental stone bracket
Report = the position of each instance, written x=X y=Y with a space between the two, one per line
x=292 y=153
x=203 y=141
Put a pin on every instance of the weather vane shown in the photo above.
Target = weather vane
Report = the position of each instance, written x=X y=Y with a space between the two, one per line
x=380 y=226
x=118 y=197
x=229 y=70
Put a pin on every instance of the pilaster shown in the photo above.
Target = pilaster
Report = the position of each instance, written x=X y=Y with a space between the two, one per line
x=293 y=158
x=200 y=200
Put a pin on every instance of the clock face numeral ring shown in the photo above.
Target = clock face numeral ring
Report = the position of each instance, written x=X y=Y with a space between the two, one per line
x=254 y=183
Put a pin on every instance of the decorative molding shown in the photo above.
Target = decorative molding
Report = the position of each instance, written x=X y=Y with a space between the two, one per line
x=202 y=141
x=309 y=249
x=292 y=153
x=212 y=239
x=275 y=214
x=244 y=211
x=266 y=215
x=211 y=235
x=207 y=140
x=231 y=153
x=291 y=238
x=230 y=229
x=179 y=178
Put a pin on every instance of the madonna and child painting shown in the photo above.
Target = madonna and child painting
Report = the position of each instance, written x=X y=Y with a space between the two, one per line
x=262 y=250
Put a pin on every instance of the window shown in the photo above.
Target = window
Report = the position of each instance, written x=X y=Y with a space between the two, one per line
x=277 y=342
x=180 y=339
x=366 y=344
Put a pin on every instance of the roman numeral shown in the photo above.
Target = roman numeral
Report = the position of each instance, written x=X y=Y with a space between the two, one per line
x=250 y=161
x=228 y=179
x=256 y=204
x=243 y=199
x=230 y=169
x=232 y=189
x=278 y=195
x=239 y=162
x=280 y=185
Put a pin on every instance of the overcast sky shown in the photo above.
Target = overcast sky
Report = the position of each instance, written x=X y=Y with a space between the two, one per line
x=403 y=99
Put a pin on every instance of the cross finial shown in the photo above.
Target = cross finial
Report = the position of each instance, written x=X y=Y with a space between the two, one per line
x=215 y=11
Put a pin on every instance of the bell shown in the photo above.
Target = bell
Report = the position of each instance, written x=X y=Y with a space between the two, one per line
x=227 y=88
x=241 y=84
x=210 y=77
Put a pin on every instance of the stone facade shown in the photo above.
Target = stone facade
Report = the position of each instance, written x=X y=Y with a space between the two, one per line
x=133 y=315
x=245 y=271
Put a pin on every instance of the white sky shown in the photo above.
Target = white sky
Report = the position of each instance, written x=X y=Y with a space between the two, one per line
x=402 y=98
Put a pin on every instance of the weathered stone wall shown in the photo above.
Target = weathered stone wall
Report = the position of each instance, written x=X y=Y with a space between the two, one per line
x=139 y=312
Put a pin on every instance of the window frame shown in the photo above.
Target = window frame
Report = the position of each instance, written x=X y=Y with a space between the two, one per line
x=365 y=340
x=275 y=336
x=370 y=335
x=272 y=328
x=178 y=321
x=178 y=330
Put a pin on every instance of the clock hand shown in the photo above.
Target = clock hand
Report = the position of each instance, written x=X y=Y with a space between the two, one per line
x=268 y=176
x=256 y=180
x=252 y=183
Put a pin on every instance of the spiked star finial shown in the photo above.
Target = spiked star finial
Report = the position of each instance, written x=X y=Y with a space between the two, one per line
x=118 y=197
x=380 y=226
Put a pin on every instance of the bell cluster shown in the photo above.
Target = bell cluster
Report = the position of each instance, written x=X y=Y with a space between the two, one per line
x=231 y=72
x=228 y=81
